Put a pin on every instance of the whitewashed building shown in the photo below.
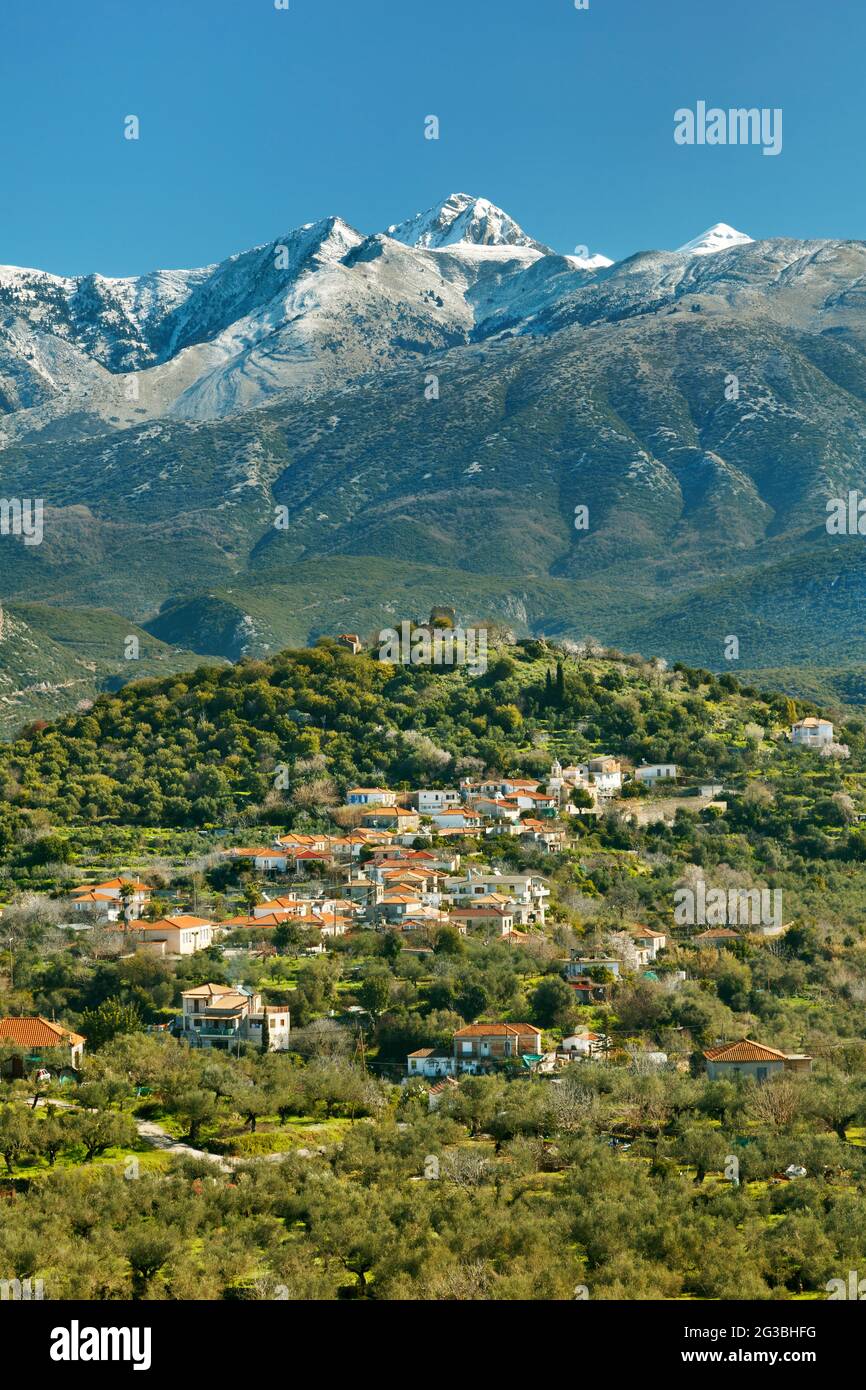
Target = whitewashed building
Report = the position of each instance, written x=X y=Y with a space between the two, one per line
x=812 y=732
x=656 y=772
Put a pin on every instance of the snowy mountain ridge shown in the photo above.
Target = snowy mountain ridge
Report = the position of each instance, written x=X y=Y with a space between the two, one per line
x=314 y=309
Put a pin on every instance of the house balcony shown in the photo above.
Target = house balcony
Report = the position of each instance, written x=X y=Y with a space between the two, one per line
x=213 y=1029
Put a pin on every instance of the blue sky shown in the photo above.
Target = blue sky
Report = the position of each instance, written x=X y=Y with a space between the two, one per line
x=254 y=120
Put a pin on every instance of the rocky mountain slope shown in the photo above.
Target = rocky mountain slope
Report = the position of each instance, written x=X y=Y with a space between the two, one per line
x=334 y=428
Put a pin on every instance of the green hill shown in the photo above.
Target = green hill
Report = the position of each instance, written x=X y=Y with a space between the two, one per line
x=201 y=748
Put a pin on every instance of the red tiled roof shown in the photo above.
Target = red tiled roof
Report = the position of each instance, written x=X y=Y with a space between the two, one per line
x=445 y=1085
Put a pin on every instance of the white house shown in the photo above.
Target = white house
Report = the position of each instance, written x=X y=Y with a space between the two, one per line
x=429 y=800
x=272 y=861
x=650 y=940
x=430 y=1061
x=812 y=732
x=102 y=907
x=370 y=796
x=128 y=896
x=456 y=818
x=177 y=936
x=651 y=773
x=542 y=801
x=604 y=773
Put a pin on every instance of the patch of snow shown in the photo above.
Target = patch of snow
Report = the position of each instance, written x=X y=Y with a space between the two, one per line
x=719 y=237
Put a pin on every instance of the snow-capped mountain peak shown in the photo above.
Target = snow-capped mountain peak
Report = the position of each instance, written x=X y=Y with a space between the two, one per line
x=719 y=237
x=328 y=240
x=462 y=220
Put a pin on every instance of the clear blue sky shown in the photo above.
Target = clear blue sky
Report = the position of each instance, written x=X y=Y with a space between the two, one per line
x=254 y=120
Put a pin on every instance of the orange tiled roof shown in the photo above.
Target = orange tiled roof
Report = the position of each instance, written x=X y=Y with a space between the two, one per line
x=744 y=1051
x=128 y=882
x=496 y=1030
x=113 y=883
x=173 y=923
x=37 y=1032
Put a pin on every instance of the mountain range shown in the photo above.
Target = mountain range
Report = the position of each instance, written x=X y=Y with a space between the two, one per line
x=423 y=412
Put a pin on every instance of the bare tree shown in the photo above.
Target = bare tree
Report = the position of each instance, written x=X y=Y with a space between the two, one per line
x=464 y=1168
x=776 y=1102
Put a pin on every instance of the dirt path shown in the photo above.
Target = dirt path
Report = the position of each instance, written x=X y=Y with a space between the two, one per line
x=159 y=1138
